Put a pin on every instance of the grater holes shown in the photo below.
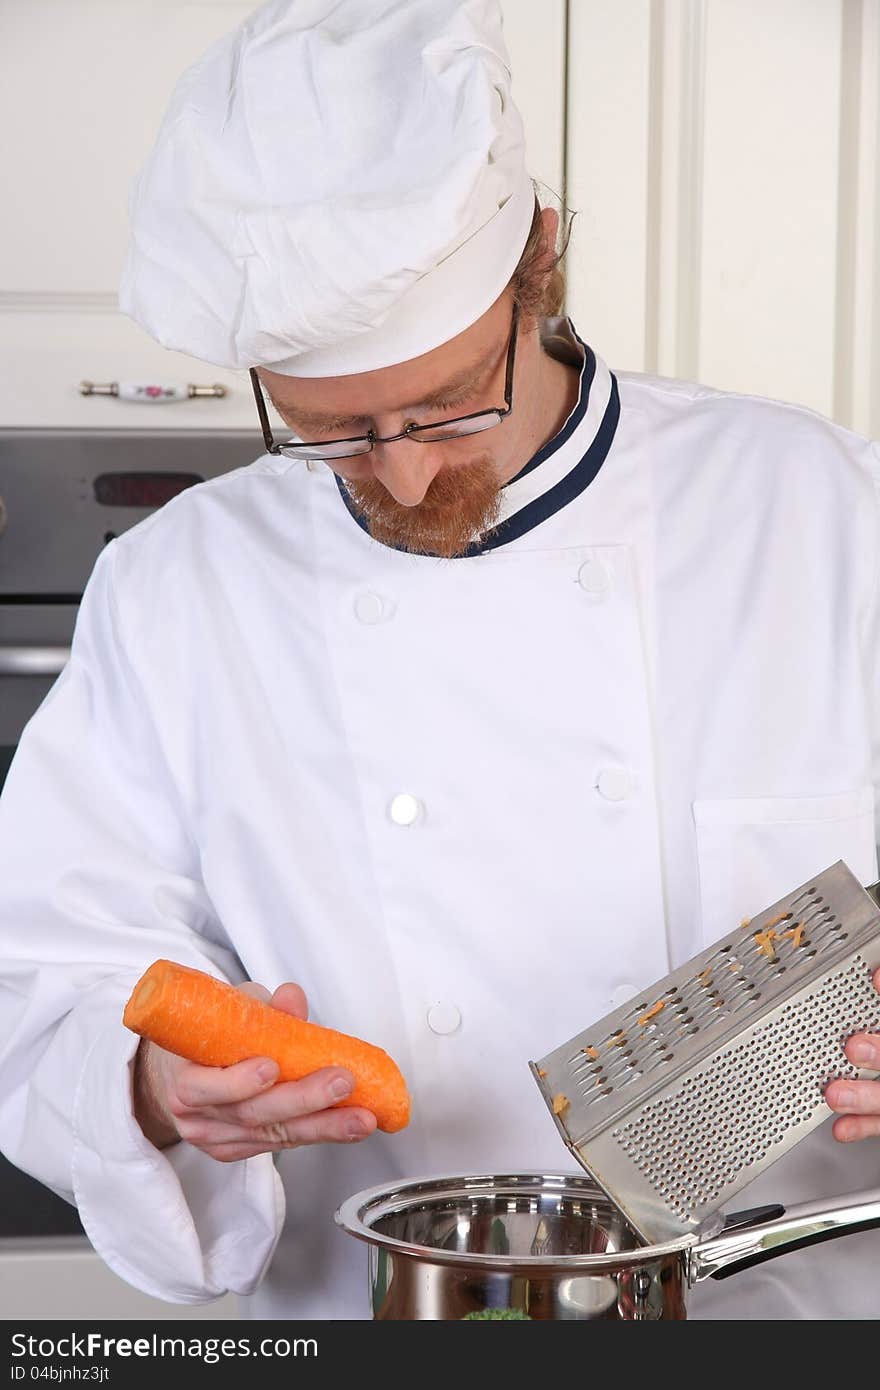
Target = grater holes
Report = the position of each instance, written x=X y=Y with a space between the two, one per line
x=705 y=1113
x=726 y=989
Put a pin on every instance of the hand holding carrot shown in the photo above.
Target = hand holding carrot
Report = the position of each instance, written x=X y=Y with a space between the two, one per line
x=235 y=1112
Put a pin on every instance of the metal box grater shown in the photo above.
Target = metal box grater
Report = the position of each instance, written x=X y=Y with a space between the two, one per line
x=680 y=1098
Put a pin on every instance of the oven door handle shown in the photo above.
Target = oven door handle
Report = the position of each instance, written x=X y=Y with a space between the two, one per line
x=33 y=661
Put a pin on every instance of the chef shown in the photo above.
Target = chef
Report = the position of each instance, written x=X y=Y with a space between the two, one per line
x=498 y=686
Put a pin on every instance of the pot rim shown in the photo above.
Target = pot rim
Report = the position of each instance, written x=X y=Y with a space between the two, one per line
x=355 y=1214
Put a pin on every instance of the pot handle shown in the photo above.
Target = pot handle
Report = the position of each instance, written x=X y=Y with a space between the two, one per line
x=740 y=1246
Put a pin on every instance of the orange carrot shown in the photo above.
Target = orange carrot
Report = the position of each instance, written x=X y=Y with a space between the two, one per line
x=208 y=1021
x=652 y=1012
x=765 y=941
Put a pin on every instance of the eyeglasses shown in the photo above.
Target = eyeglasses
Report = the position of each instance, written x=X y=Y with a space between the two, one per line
x=457 y=428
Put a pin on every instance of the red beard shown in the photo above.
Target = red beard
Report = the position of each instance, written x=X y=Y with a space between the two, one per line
x=461 y=504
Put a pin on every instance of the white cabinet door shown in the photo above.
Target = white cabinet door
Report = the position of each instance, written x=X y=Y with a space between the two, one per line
x=84 y=86
x=725 y=159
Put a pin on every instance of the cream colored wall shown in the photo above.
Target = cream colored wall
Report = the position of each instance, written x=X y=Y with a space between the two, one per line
x=725 y=161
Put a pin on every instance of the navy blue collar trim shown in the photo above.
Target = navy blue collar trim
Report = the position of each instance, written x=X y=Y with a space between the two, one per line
x=557 y=497
x=588 y=372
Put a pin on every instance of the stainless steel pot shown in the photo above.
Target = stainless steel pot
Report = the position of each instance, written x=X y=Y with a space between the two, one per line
x=555 y=1247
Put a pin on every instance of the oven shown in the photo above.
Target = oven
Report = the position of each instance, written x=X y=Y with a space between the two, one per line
x=63 y=496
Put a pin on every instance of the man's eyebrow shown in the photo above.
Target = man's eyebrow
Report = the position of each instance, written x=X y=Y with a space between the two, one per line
x=460 y=381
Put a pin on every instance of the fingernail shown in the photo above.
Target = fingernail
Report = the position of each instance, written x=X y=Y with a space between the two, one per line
x=340 y=1088
x=355 y=1130
x=267 y=1072
x=844 y=1096
x=864 y=1054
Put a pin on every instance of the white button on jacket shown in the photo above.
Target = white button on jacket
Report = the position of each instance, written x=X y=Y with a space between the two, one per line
x=621 y=995
x=370 y=609
x=210 y=777
x=444 y=1018
x=405 y=809
x=616 y=783
x=593 y=577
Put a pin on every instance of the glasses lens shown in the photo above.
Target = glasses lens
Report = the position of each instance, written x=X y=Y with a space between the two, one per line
x=455 y=429
x=333 y=449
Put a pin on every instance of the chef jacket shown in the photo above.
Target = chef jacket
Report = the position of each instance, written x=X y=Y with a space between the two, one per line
x=470 y=805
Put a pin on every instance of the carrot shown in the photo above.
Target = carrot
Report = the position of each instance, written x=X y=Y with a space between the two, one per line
x=208 y=1021
x=652 y=1012
x=765 y=941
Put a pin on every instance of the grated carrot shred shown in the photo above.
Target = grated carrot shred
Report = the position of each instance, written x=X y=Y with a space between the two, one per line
x=774 y=922
x=797 y=933
x=560 y=1104
x=591 y=1052
x=765 y=941
x=654 y=1010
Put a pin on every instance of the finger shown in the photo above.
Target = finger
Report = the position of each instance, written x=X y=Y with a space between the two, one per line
x=345 y=1126
x=291 y=999
x=863 y=1050
x=851 y=1128
x=320 y=1090
x=255 y=991
x=197 y=1087
x=854 y=1097
x=877 y=980
x=328 y=1127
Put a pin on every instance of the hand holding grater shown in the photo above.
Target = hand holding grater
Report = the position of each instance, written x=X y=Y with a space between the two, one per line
x=679 y=1099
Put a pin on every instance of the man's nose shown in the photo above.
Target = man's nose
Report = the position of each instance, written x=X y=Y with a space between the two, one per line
x=406 y=469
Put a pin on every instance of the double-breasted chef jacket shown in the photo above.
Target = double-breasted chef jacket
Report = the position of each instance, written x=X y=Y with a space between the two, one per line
x=469 y=805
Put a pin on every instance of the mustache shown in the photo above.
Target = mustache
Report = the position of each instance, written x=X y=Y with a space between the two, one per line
x=461 y=504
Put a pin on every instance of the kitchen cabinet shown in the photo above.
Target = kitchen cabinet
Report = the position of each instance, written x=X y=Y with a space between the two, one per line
x=85 y=85
x=724 y=156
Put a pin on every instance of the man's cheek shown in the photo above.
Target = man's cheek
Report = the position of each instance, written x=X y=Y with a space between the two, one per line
x=352 y=471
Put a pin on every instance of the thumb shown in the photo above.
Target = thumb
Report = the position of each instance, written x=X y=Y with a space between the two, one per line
x=291 y=999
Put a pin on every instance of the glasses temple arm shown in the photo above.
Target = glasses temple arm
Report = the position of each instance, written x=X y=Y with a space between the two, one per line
x=268 y=437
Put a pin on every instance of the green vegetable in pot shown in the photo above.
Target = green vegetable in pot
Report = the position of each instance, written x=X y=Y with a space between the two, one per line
x=503 y=1314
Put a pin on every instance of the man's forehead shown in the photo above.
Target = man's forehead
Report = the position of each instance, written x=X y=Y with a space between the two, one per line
x=452 y=367
x=357 y=398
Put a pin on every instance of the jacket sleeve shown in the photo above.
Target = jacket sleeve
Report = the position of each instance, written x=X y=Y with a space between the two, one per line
x=99 y=877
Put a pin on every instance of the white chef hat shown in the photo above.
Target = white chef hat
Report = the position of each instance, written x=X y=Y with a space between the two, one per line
x=338 y=185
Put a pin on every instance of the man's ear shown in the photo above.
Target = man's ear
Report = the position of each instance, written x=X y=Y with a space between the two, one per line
x=549 y=233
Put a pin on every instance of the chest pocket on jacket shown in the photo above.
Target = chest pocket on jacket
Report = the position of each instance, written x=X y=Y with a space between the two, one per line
x=753 y=852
